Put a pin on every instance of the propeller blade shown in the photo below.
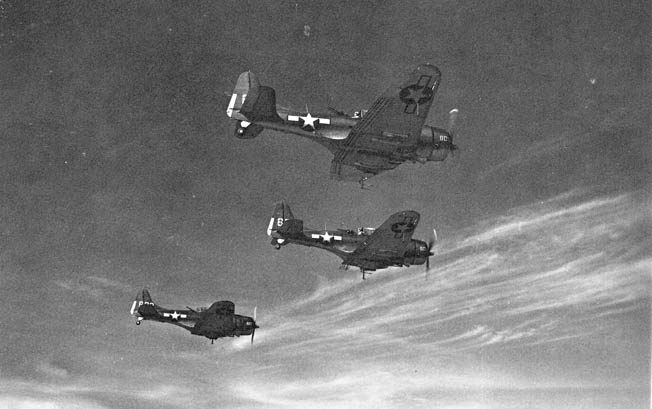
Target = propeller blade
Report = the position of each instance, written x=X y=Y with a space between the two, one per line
x=253 y=330
x=431 y=243
x=452 y=117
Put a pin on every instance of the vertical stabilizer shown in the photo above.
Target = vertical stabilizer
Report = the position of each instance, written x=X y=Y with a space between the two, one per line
x=251 y=102
x=142 y=298
x=282 y=213
x=246 y=87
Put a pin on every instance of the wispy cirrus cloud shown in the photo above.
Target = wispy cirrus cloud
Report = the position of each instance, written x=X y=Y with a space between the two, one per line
x=558 y=270
x=86 y=393
x=93 y=286
x=563 y=272
x=553 y=272
x=28 y=395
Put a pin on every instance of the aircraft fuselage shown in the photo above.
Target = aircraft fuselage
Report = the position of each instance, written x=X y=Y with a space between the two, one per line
x=343 y=243
x=332 y=132
x=198 y=322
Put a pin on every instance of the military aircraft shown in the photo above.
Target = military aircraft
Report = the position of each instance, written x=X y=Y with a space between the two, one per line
x=367 y=248
x=364 y=144
x=217 y=321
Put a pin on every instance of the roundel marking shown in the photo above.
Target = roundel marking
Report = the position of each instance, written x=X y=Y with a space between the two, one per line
x=402 y=227
x=415 y=94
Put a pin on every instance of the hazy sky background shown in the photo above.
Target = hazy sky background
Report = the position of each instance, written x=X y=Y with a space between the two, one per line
x=119 y=170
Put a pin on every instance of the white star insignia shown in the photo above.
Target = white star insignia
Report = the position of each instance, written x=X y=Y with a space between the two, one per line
x=175 y=315
x=326 y=236
x=308 y=120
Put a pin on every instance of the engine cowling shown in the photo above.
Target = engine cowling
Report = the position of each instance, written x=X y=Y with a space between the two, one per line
x=434 y=144
x=416 y=253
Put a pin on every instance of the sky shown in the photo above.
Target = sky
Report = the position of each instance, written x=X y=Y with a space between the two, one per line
x=119 y=171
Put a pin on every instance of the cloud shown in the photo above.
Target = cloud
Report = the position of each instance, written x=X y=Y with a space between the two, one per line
x=25 y=402
x=561 y=272
x=365 y=386
x=557 y=270
x=105 y=282
x=28 y=395
x=532 y=152
x=52 y=370
x=88 y=393
x=94 y=286
x=82 y=287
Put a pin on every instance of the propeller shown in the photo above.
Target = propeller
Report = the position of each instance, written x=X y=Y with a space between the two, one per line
x=452 y=118
x=431 y=243
x=253 y=330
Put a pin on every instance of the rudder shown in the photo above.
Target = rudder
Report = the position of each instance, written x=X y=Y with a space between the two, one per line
x=247 y=85
x=142 y=298
x=252 y=102
x=282 y=213
x=263 y=107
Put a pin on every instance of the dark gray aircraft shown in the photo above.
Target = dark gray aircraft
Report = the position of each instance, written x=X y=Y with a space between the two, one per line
x=217 y=321
x=365 y=144
x=370 y=249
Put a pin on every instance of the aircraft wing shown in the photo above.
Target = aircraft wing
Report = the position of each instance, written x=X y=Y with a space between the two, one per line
x=393 y=123
x=389 y=240
x=221 y=307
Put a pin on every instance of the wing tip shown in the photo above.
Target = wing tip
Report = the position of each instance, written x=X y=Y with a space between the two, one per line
x=428 y=67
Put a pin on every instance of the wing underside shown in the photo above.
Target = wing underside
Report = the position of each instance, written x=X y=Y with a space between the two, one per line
x=221 y=307
x=387 y=243
x=391 y=127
